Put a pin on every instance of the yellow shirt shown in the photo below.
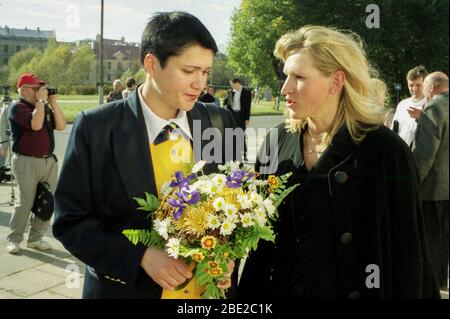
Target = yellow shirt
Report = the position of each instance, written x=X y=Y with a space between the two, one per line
x=169 y=157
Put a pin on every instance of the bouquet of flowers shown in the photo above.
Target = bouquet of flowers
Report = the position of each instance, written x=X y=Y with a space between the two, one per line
x=208 y=220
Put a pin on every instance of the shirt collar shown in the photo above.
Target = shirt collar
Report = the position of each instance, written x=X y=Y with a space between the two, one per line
x=155 y=124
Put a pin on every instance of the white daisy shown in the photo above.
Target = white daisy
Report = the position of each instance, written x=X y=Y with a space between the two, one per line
x=244 y=201
x=260 y=216
x=269 y=207
x=220 y=179
x=213 y=222
x=230 y=211
x=247 y=220
x=198 y=166
x=173 y=247
x=162 y=227
x=227 y=227
x=219 y=204
x=165 y=188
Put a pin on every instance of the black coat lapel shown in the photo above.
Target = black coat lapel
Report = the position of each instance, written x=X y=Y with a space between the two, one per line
x=132 y=150
x=198 y=122
x=341 y=147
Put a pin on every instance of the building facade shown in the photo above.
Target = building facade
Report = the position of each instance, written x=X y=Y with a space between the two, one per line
x=14 y=40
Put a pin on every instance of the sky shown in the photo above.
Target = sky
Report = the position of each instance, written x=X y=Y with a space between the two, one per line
x=80 y=19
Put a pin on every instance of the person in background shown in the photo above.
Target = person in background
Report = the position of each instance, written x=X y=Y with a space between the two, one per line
x=379 y=92
x=431 y=155
x=32 y=123
x=408 y=110
x=131 y=85
x=116 y=93
x=239 y=102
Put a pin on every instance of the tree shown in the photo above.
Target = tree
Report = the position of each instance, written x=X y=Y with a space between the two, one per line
x=255 y=28
x=411 y=33
x=81 y=64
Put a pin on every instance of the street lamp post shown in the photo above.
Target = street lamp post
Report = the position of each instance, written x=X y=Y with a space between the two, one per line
x=100 y=84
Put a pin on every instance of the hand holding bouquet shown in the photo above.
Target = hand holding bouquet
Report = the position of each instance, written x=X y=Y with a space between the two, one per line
x=211 y=220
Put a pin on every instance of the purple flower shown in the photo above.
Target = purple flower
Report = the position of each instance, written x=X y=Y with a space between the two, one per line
x=180 y=181
x=179 y=205
x=237 y=178
x=188 y=197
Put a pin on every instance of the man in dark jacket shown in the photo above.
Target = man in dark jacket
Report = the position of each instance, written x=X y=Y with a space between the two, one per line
x=431 y=155
x=111 y=159
x=239 y=102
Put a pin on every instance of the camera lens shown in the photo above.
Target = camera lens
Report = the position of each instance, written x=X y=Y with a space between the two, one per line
x=52 y=91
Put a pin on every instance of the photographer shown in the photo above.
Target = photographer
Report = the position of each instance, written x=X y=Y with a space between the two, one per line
x=32 y=122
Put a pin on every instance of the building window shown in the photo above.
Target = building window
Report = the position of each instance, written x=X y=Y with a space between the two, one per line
x=5 y=48
x=18 y=48
x=5 y=61
x=109 y=77
x=109 y=65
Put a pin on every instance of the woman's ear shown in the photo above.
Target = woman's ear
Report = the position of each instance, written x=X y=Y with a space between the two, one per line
x=338 y=81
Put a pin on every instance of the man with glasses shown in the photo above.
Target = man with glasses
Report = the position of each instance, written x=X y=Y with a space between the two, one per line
x=33 y=118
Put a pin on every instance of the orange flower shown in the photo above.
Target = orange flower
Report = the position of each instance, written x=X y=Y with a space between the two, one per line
x=272 y=181
x=213 y=264
x=216 y=272
x=198 y=257
x=208 y=242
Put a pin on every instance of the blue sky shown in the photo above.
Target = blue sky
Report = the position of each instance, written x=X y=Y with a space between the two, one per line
x=122 y=17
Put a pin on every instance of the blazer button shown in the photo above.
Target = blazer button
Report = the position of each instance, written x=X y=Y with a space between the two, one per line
x=346 y=238
x=341 y=177
x=354 y=295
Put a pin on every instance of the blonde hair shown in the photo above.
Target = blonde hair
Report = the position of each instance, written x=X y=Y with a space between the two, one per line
x=333 y=50
x=378 y=88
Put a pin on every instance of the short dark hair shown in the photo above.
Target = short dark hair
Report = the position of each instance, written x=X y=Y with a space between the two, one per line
x=131 y=82
x=236 y=80
x=168 y=33
x=417 y=72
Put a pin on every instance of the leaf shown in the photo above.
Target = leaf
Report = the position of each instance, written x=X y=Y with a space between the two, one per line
x=152 y=201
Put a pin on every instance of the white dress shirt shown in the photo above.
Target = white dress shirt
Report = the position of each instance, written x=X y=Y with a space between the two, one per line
x=406 y=124
x=155 y=124
x=237 y=100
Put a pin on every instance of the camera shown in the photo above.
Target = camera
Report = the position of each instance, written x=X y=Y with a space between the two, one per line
x=5 y=90
x=52 y=91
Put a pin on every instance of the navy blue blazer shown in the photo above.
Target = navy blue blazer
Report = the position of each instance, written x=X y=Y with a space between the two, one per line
x=107 y=163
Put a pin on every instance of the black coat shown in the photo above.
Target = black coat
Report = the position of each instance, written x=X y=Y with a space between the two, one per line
x=107 y=163
x=246 y=103
x=359 y=206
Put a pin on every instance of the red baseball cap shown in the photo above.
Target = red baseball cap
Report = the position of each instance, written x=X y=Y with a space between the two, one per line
x=29 y=79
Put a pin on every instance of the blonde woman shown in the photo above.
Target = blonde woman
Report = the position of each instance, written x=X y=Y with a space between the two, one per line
x=353 y=228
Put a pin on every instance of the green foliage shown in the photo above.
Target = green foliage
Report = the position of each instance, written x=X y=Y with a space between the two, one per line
x=411 y=33
x=60 y=65
x=144 y=236
x=149 y=204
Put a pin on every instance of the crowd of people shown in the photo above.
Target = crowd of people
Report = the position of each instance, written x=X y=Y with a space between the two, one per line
x=373 y=185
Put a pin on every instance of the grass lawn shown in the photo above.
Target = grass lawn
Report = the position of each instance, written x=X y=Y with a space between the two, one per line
x=71 y=105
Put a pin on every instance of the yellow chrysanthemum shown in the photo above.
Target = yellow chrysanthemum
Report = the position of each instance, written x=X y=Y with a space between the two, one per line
x=230 y=195
x=194 y=220
x=208 y=242
x=213 y=264
x=198 y=257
